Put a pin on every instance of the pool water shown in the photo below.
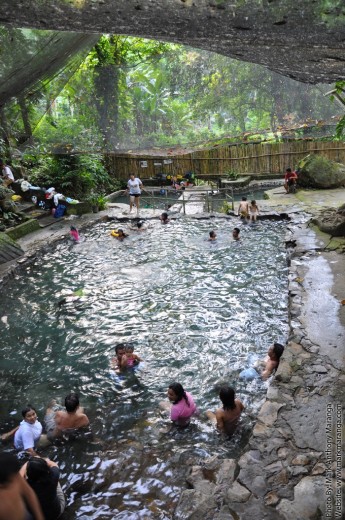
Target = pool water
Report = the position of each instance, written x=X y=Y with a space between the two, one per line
x=197 y=312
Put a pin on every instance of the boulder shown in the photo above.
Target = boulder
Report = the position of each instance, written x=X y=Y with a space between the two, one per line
x=316 y=171
x=332 y=221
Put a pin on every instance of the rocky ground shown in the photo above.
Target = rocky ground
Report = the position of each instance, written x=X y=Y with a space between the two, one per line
x=292 y=468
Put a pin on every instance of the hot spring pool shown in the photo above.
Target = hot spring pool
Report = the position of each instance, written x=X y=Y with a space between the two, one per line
x=197 y=312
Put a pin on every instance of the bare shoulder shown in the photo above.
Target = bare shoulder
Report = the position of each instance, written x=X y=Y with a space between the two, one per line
x=239 y=404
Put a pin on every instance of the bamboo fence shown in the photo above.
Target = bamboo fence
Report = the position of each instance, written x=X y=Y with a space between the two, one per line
x=246 y=158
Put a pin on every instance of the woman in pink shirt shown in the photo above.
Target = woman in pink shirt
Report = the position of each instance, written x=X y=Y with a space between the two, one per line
x=182 y=405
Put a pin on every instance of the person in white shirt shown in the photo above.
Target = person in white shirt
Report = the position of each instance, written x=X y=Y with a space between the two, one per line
x=28 y=433
x=134 y=187
x=7 y=174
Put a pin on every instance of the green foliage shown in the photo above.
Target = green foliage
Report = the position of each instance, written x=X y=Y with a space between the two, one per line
x=4 y=192
x=226 y=207
x=73 y=175
x=231 y=175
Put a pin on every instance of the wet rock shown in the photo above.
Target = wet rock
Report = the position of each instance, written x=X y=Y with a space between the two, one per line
x=212 y=463
x=298 y=470
x=332 y=222
x=318 y=469
x=271 y=499
x=274 y=467
x=237 y=493
x=224 y=514
x=195 y=474
x=194 y=505
x=300 y=460
x=309 y=499
x=269 y=412
x=284 y=371
x=226 y=473
x=319 y=369
x=283 y=452
x=280 y=479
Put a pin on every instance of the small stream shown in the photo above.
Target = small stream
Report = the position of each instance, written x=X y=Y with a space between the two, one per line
x=197 y=312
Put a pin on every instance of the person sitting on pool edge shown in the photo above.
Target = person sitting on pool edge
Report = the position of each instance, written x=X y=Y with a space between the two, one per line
x=272 y=360
x=60 y=421
x=226 y=418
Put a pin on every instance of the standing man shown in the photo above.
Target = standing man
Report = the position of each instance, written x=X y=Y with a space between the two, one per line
x=7 y=174
x=133 y=188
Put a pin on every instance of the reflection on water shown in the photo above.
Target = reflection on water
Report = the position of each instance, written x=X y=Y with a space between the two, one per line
x=197 y=312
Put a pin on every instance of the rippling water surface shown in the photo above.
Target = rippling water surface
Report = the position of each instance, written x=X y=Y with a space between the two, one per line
x=197 y=312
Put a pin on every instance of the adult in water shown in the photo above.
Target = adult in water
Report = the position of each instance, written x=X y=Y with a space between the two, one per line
x=226 y=418
x=68 y=420
x=43 y=477
x=28 y=433
x=181 y=405
x=134 y=186
x=18 y=501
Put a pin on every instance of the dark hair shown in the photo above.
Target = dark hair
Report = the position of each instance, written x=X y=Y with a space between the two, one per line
x=244 y=198
x=9 y=466
x=278 y=350
x=27 y=409
x=227 y=396
x=212 y=233
x=288 y=169
x=164 y=215
x=37 y=470
x=120 y=346
x=178 y=389
x=139 y=223
x=73 y=228
x=71 y=402
x=253 y=202
x=237 y=229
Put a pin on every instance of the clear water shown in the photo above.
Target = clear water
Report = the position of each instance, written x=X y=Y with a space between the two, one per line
x=215 y=202
x=197 y=312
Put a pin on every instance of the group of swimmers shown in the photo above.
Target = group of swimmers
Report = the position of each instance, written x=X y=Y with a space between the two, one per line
x=33 y=492
x=181 y=405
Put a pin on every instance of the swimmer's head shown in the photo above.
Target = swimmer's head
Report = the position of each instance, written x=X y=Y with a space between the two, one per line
x=71 y=402
x=120 y=349
x=37 y=470
x=9 y=467
x=236 y=233
x=276 y=351
x=129 y=349
x=164 y=216
x=213 y=234
x=176 y=392
x=29 y=414
x=253 y=202
x=227 y=396
x=73 y=228
x=139 y=224
x=244 y=198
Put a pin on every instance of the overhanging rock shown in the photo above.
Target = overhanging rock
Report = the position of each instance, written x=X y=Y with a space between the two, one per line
x=302 y=40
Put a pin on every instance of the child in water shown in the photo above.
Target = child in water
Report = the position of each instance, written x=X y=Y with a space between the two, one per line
x=164 y=218
x=132 y=359
x=120 y=234
x=253 y=211
x=226 y=418
x=212 y=236
x=74 y=234
x=243 y=209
